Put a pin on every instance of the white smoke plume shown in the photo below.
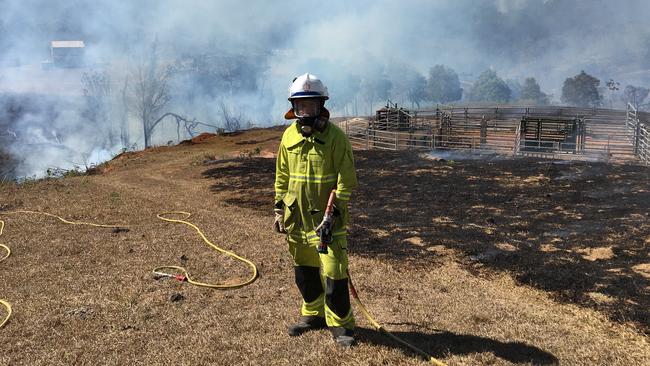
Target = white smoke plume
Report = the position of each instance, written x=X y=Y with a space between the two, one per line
x=241 y=56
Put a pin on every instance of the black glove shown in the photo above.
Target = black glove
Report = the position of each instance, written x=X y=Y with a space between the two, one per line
x=324 y=231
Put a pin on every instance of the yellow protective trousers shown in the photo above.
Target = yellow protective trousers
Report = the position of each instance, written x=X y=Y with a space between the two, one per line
x=322 y=279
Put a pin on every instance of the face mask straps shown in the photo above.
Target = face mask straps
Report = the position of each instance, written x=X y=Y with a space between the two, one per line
x=309 y=124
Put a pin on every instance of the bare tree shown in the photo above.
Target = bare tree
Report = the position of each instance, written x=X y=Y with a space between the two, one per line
x=8 y=166
x=231 y=122
x=149 y=91
x=635 y=95
x=97 y=93
x=188 y=124
x=124 y=114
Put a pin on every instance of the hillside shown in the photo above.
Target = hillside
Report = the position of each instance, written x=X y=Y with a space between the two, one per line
x=495 y=262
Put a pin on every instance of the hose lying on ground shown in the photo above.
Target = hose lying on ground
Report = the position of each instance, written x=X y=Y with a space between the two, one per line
x=383 y=330
x=186 y=277
x=182 y=274
x=5 y=303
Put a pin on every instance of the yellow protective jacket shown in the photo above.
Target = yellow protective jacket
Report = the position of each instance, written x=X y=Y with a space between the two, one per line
x=307 y=170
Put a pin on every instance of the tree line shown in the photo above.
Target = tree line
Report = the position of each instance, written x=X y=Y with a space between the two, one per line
x=146 y=92
x=442 y=85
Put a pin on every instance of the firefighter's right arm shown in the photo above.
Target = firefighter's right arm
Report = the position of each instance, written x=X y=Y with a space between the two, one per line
x=281 y=174
x=281 y=187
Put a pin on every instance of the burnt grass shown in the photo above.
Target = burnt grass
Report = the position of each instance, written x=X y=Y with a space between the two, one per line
x=476 y=263
x=250 y=180
x=577 y=230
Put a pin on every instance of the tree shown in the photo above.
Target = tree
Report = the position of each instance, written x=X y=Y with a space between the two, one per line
x=354 y=83
x=408 y=85
x=612 y=91
x=8 y=162
x=344 y=90
x=219 y=74
x=581 y=90
x=515 y=88
x=122 y=104
x=375 y=88
x=149 y=91
x=232 y=122
x=489 y=87
x=98 y=99
x=531 y=93
x=635 y=95
x=443 y=85
x=188 y=124
x=418 y=90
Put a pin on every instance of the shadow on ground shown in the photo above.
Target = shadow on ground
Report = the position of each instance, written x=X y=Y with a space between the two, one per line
x=245 y=182
x=443 y=344
x=580 y=231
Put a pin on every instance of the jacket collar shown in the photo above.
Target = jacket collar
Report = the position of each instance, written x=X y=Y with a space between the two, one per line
x=295 y=137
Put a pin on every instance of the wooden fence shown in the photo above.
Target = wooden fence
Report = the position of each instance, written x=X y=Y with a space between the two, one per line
x=638 y=133
x=610 y=134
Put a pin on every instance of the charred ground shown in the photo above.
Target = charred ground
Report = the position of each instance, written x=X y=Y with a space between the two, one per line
x=498 y=262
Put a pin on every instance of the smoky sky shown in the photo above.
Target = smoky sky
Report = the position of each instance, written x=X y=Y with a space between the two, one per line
x=340 y=41
x=548 y=39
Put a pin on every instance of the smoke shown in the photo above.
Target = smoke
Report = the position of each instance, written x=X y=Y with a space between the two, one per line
x=237 y=58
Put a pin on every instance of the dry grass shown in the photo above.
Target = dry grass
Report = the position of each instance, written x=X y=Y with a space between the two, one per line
x=499 y=263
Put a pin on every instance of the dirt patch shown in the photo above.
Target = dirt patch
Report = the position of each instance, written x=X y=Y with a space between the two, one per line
x=643 y=269
x=202 y=138
x=506 y=247
x=415 y=241
x=594 y=254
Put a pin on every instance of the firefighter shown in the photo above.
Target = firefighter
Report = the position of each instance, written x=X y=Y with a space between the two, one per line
x=315 y=158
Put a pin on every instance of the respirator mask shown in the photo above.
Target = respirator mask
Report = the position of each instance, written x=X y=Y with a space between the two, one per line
x=308 y=111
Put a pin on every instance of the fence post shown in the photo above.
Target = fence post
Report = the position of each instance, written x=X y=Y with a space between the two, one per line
x=367 y=138
x=637 y=135
x=483 y=131
x=396 y=141
x=609 y=137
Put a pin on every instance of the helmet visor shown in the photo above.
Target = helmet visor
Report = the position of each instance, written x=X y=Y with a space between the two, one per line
x=307 y=107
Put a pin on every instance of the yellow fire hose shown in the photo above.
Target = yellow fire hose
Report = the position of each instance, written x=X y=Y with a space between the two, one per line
x=5 y=303
x=383 y=330
x=181 y=273
x=184 y=276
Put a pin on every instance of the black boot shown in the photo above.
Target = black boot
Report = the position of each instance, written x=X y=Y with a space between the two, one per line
x=342 y=336
x=305 y=324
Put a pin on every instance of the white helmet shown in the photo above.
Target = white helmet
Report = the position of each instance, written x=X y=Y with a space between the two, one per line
x=307 y=86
